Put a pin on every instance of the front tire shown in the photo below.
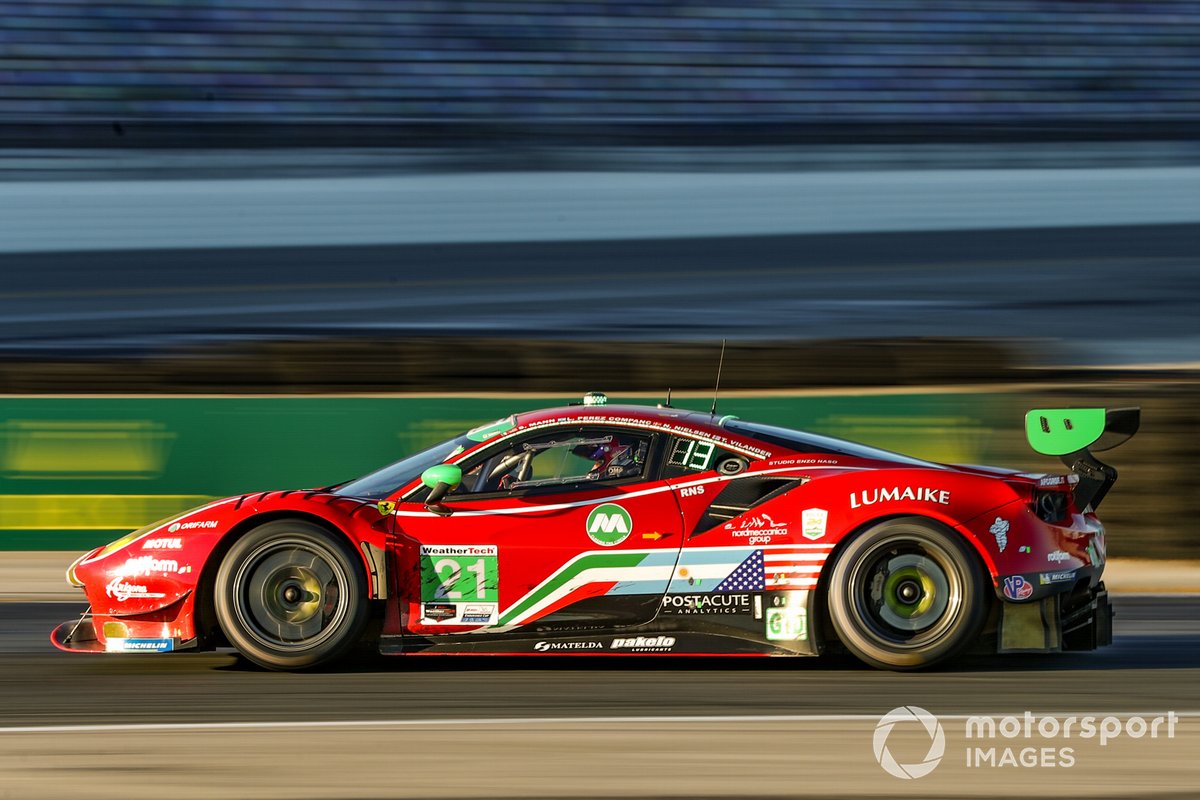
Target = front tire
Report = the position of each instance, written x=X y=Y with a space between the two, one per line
x=906 y=594
x=290 y=595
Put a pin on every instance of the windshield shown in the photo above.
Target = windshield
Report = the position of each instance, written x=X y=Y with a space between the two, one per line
x=815 y=443
x=383 y=482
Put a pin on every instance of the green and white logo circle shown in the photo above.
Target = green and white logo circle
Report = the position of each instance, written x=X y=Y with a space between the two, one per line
x=609 y=525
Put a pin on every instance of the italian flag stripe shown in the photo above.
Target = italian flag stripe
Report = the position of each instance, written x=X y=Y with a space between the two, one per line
x=586 y=562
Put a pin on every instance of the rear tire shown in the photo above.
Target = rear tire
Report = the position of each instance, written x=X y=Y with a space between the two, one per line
x=290 y=595
x=906 y=594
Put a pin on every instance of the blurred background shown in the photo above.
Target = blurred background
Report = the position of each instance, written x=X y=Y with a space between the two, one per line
x=911 y=223
x=258 y=244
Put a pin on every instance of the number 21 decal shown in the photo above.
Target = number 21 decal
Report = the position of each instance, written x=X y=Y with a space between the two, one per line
x=459 y=574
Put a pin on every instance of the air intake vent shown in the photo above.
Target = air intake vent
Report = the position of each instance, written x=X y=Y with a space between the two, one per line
x=740 y=496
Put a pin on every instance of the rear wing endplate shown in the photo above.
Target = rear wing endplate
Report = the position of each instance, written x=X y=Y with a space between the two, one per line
x=1073 y=433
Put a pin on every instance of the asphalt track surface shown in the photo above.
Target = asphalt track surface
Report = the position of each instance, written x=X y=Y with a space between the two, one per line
x=1117 y=294
x=1154 y=663
x=583 y=727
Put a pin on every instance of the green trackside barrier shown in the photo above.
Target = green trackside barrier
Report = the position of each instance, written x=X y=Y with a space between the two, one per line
x=79 y=472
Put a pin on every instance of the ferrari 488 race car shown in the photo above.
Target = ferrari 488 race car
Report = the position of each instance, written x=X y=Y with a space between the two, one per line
x=598 y=529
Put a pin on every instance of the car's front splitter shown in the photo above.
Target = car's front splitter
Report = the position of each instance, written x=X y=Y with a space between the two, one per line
x=79 y=636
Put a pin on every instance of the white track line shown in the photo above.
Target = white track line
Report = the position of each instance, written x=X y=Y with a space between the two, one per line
x=417 y=723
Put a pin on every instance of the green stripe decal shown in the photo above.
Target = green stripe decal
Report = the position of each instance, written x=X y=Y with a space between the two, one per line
x=569 y=572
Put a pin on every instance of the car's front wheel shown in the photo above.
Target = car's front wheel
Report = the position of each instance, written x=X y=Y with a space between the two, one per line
x=289 y=595
x=906 y=594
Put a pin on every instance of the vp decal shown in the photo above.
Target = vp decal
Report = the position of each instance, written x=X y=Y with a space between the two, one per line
x=1017 y=588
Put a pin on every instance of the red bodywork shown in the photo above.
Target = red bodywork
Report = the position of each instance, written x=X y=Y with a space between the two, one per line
x=158 y=586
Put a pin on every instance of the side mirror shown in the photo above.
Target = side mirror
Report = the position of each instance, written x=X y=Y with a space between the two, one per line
x=440 y=479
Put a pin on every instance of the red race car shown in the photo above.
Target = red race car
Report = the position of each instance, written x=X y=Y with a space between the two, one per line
x=597 y=529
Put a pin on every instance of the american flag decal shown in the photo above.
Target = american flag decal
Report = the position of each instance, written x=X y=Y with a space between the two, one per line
x=778 y=568
x=748 y=577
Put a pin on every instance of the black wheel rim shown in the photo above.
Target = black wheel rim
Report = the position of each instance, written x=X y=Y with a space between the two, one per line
x=290 y=594
x=906 y=592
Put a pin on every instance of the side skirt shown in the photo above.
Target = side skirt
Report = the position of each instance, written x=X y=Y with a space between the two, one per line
x=673 y=643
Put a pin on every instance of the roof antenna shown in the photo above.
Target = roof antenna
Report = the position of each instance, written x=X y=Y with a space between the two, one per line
x=717 y=387
x=668 y=403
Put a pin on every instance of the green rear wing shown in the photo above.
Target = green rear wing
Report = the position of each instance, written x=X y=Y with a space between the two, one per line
x=1073 y=434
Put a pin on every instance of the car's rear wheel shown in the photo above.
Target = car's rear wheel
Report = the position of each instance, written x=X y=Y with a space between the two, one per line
x=289 y=595
x=906 y=594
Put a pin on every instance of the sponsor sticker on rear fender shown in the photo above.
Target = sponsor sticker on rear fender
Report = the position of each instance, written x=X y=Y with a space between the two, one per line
x=787 y=624
x=1017 y=588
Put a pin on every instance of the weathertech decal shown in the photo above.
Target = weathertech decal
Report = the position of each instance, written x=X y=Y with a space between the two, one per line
x=438 y=612
x=460 y=584
x=458 y=550
x=458 y=614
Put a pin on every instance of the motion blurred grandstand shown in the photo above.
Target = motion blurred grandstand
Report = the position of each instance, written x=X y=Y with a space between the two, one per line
x=262 y=88
x=181 y=73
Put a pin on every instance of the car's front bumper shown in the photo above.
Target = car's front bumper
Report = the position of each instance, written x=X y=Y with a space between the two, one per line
x=80 y=636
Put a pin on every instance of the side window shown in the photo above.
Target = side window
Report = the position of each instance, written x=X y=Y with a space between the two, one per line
x=689 y=456
x=563 y=458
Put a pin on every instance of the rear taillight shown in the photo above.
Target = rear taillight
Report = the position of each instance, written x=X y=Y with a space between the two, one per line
x=1052 y=507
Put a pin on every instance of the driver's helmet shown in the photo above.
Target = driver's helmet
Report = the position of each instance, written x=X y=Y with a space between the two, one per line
x=609 y=459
